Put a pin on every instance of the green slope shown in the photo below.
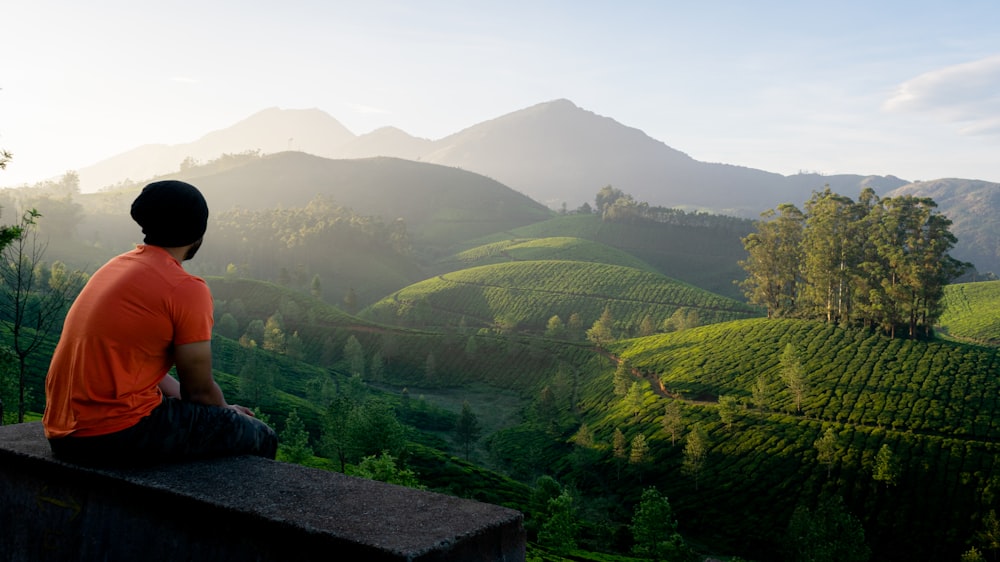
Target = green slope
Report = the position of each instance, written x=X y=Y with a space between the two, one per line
x=704 y=255
x=565 y=248
x=972 y=312
x=527 y=294
x=932 y=403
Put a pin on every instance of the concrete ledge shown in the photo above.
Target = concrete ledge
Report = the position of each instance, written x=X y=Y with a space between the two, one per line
x=241 y=508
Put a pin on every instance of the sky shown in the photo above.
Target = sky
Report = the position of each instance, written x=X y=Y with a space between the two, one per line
x=910 y=89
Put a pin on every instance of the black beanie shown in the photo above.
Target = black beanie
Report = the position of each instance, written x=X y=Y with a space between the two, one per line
x=171 y=213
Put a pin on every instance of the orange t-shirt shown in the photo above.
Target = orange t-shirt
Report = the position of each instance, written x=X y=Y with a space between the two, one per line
x=117 y=342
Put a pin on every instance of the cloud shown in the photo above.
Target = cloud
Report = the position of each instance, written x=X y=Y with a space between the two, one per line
x=966 y=94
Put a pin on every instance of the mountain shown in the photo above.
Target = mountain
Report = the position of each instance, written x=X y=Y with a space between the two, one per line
x=268 y=131
x=553 y=152
x=974 y=209
x=556 y=152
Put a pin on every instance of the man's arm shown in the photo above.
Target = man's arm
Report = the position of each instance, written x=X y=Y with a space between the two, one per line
x=170 y=387
x=194 y=369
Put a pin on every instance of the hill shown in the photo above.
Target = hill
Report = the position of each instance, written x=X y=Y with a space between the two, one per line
x=566 y=248
x=972 y=312
x=704 y=253
x=929 y=403
x=525 y=295
x=974 y=209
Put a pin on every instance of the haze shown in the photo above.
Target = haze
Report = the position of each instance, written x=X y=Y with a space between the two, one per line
x=898 y=88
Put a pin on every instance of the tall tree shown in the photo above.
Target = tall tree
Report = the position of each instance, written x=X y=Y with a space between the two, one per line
x=622 y=378
x=559 y=529
x=774 y=253
x=467 y=428
x=294 y=444
x=827 y=448
x=831 y=251
x=654 y=529
x=695 y=453
x=673 y=420
x=827 y=534
x=355 y=356
x=793 y=375
x=31 y=305
x=729 y=408
x=885 y=470
x=600 y=334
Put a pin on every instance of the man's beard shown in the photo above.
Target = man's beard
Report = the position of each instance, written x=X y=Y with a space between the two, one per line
x=193 y=250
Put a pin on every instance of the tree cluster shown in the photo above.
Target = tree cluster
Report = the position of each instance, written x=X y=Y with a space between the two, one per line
x=876 y=263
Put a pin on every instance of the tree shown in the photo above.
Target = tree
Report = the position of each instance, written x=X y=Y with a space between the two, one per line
x=384 y=468
x=316 y=287
x=555 y=328
x=695 y=453
x=633 y=399
x=351 y=301
x=622 y=378
x=673 y=420
x=654 y=529
x=793 y=375
x=828 y=534
x=638 y=450
x=759 y=393
x=467 y=428
x=647 y=327
x=600 y=333
x=355 y=356
x=729 y=408
x=558 y=531
x=31 y=307
x=827 y=448
x=294 y=444
x=885 y=469
x=774 y=253
x=274 y=334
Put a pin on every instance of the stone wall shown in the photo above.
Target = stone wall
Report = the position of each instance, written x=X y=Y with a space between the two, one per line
x=240 y=508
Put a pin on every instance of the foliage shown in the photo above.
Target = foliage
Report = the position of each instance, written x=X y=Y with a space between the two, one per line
x=559 y=527
x=827 y=534
x=881 y=263
x=654 y=529
x=467 y=428
x=385 y=468
x=293 y=444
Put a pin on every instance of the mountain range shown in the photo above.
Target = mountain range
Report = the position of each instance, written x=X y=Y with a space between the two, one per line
x=554 y=152
x=559 y=154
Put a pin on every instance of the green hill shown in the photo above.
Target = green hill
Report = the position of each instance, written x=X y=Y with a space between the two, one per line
x=525 y=295
x=704 y=255
x=972 y=312
x=555 y=248
x=931 y=403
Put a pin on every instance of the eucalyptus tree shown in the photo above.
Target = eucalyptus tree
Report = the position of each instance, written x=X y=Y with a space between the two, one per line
x=774 y=253
x=33 y=299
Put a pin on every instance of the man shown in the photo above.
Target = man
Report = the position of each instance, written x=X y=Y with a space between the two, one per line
x=109 y=398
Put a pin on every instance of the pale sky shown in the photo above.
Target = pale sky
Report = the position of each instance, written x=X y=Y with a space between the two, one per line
x=908 y=88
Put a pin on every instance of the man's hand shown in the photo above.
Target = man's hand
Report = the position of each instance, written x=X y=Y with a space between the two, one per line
x=241 y=409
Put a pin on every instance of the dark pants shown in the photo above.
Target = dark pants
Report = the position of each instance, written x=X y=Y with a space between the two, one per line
x=174 y=431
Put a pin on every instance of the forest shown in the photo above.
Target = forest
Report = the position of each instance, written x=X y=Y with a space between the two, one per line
x=641 y=383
